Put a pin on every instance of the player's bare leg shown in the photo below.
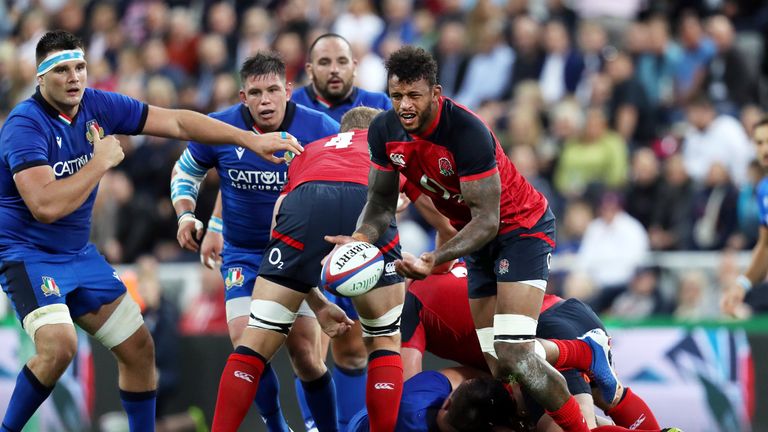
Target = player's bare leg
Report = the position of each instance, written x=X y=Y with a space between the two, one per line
x=119 y=327
x=483 y=310
x=274 y=310
x=379 y=312
x=517 y=311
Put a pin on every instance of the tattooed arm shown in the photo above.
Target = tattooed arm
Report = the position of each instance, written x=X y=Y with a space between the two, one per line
x=383 y=190
x=483 y=197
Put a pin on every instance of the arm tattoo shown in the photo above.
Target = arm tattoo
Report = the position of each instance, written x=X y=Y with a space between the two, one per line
x=383 y=189
x=483 y=197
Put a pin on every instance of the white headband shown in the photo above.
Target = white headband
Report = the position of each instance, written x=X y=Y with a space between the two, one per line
x=58 y=57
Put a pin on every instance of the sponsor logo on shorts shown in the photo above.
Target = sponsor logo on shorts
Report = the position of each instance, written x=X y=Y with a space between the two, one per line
x=389 y=269
x=384 y=386
x=397 y=159
x=244 y=376
x=234 y=277
x=503 y=266
x=49 y=287
x=445 y=166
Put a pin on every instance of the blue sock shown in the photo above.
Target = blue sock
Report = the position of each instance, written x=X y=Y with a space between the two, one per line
x=27 y=396
x=268 y=401
x=320 y=395
x=140 y=407
x=301 y=398
x=350 y=385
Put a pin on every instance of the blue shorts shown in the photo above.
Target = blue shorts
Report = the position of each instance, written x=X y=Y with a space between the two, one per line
x=516 y=256
x=239 y=269
x=83 y=281
x=307 y=214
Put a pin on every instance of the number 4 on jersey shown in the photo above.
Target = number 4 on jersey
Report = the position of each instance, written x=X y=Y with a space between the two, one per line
x=340 y=141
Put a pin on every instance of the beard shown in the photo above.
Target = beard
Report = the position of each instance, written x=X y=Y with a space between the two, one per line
x=334 y=95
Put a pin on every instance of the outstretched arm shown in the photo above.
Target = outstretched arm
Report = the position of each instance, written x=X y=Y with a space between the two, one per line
x=192 y=126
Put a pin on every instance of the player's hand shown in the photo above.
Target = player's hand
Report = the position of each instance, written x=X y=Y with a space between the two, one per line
x=106 y=151
x=733 y=298
x=402 y=203
x=190 y=232
x=333 y=320
x=411 y=267
x=337 y=240
x=266 y=145
x=210 y=249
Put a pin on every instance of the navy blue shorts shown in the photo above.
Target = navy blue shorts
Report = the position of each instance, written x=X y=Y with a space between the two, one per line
x=239 y=269
x=83 y=281
x=516 y=256
x=307 y=214
x=567 y=320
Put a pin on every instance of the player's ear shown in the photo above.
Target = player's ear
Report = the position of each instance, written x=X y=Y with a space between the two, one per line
x=437 y=91
x=288 y=89
x=308 y=69
x=242 y=96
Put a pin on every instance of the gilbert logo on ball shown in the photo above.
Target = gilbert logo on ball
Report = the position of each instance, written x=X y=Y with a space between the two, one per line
x=353 y=269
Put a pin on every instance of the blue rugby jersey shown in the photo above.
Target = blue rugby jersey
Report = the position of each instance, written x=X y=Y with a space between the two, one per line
x=762 y=200
x=250 y=185
x=423 y=395
x=37 y=134
x=307 y=97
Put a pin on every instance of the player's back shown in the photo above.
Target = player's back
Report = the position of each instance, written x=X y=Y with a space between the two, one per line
x=446 y=317
x=340 y=158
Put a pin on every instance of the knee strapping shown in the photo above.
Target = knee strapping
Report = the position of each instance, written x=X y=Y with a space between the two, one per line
x=385 y=325
x=485 y=337
x=124 y=321
x=271 y=315
x=52 y=314
x=512 y=328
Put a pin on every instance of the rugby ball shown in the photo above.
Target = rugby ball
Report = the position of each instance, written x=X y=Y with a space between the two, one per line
x=352 y=269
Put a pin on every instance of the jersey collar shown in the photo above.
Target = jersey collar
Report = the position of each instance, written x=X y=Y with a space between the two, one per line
x=435 y=122
x=53 y=112
x=290 y=112
x=327 y=104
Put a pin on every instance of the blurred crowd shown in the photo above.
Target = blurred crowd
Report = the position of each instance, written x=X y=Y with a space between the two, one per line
x=632 y=117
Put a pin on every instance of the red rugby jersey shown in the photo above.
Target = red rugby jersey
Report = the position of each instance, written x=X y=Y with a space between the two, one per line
x=340 y=158
x=456 y=147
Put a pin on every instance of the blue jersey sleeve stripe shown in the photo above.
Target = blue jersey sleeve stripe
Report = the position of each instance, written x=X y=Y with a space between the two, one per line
x=29 y=164
x=142 y=120
x=189 y=165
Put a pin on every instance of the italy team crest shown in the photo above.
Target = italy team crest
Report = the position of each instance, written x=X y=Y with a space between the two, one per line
x=503 y=266
x=445 y=166
x=88 y=134
x=49 y=287
x=234 y=277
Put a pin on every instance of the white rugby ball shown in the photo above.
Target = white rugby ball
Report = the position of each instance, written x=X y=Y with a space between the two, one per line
x=352 y=269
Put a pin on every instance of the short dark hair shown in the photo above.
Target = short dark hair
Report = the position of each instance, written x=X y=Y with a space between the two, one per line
x=326 y=36
x=479 y=404
x=763 y=122
x=263 y=63
x=700 y=100
x=358 y=118
x=56 y=40
x=411 y=64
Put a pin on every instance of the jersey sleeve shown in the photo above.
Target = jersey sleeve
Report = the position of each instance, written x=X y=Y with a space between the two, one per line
x=377 y=144
x=411 y=328
x=762 y=201
x=409 y=189
x=203 y=154
x=329 y=126
x=23 y=144
x=475 y=151
x=125 y=115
